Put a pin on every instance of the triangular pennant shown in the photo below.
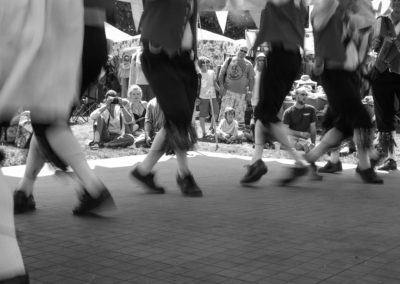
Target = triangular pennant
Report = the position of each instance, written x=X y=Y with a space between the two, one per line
x=222 y=17
x=256 y=15
x=137 y=10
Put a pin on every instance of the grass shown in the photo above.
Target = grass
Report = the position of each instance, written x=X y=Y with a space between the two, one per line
x=83 y=132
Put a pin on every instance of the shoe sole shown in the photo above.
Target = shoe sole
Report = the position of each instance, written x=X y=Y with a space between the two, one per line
x=253 y=180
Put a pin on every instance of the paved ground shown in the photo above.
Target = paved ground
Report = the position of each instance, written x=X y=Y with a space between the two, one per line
x=336 y=231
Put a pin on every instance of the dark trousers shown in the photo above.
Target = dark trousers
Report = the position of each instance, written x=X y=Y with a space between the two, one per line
x=174 y=83
x=277 y=78
x=385 y=87
x=346 y=109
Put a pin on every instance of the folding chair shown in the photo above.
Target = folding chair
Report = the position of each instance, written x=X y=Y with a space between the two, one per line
x=81 y=113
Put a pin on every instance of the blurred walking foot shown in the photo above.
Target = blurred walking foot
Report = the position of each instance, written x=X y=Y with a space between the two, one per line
x=294 y=174
x=148 y=181
x=389 y=165
x=314 y=173
x=189 y=186
x=331 y=168
x=369 y=176
x=254 y=172
x=23 y=203
x=101 y=204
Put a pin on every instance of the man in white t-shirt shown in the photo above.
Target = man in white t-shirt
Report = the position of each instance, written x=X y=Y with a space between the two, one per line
x=207 y=93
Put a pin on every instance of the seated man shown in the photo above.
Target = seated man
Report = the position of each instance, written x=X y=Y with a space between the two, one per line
x=301 y=121
x=153 y=122
x=109 y=123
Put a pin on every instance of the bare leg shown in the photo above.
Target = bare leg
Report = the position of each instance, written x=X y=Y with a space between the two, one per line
x=330 y=139
x=260 y=131
x=34 y=164
x=67 y=147
x=11 y=263
x=203 y=125
x=156 y=151
x=281 y=135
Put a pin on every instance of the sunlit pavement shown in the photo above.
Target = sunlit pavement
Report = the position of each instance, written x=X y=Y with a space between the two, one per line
x=339 y=230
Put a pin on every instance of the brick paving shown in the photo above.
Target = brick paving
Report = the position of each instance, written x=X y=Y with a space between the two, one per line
x=336 y=231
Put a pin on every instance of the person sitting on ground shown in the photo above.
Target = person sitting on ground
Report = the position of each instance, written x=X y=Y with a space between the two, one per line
x=154 y=121
x=109 y=123
x=207 y=95
x=301 y=121
x=228 y=128
x=138 y=109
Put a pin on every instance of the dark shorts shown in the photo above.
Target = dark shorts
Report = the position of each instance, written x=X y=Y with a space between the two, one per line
x=277 y=78
x=346 y=111
x=205 y=107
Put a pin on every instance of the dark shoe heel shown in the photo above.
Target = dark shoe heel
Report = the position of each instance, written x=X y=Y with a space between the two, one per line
x=148 y=181
x=189 y=186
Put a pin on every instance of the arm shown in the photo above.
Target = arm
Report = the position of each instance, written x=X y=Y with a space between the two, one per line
x=97 y=112
x=322 y=12
x=313 y=132
x=126 y=115
x=216 y=86
x=222 y=73
x=132 y=71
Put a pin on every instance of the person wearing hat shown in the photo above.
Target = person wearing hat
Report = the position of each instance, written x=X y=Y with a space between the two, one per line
x=236 y=78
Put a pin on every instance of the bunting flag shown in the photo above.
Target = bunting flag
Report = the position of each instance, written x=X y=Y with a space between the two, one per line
x=137 y=10
x=256 y=15
x=222 y=17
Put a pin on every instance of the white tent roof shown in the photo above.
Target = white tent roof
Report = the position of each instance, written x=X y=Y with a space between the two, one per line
x=114 y=34
x=207 y=35
x=204 y=35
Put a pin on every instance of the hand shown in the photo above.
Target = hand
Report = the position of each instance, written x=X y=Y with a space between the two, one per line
x=148 y=141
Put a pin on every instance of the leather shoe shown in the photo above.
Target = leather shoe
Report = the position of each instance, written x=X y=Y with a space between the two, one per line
x=369 y=176
x=189 y=186
x=88 y=204
x=23 y=203
x=389 y=165
x=148 y=181
x=331 y=168
x=254 y=172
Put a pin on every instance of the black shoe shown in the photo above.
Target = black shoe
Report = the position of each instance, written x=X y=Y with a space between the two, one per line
x=148 y=181
x=389 y=165
x=88 y=204
x=23 y=203
x=331 y=168
x=294 y=174
x=254 y=172
x=369 y=176
x=314 y=173
x=189 y=186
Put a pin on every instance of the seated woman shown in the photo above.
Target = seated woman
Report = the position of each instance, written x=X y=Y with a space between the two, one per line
x=137 y=108
x=228 y=128
x=109 y=123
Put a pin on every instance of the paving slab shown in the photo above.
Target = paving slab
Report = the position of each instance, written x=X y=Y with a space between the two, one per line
x=339 y=230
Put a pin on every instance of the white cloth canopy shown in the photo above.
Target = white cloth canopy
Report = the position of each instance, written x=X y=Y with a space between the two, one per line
x=114 y=34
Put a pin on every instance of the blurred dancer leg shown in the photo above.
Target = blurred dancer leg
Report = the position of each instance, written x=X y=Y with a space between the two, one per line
x=168 y=63
x=283 y=27
x=53 y=139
